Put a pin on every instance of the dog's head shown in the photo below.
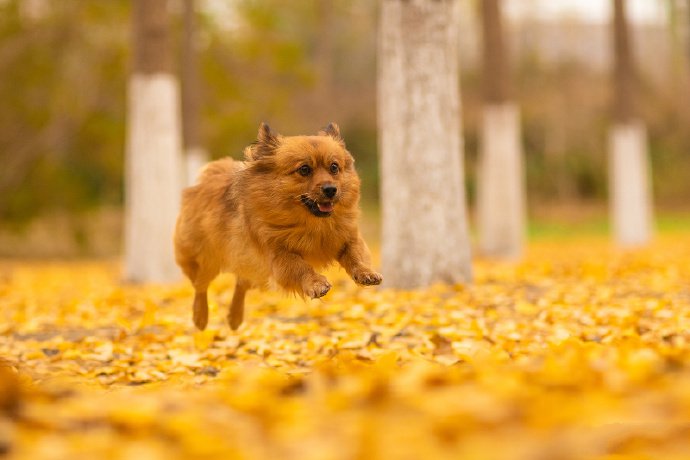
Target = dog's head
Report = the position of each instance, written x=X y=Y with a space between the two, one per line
x=315 y=174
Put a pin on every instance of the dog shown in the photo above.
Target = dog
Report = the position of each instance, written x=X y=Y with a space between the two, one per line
x=289 y=209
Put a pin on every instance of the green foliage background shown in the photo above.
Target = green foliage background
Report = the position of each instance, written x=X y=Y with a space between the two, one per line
x=62 y=116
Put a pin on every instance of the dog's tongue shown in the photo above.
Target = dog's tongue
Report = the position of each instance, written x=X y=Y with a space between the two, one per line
x=325 y=207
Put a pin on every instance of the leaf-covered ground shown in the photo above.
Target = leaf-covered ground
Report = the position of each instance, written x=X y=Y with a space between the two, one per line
x=580 y=351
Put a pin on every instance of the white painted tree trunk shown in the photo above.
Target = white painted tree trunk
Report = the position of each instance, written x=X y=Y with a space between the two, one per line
x=630 y=194
x=425 y=237
x=500 y=188
x=153 y=177
x=195 y=159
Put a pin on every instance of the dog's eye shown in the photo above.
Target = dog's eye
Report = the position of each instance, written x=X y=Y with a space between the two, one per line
x=304 y=170
x=335 y=168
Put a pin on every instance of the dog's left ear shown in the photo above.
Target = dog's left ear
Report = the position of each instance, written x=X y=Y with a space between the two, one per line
x=333 y=131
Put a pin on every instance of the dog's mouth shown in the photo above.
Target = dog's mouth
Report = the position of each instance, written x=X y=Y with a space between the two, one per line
x=318 y=208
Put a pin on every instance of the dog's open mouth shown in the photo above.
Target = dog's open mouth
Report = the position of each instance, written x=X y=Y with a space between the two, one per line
x=318 y=208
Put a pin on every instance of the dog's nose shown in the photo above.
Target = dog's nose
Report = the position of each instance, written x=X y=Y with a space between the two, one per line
x=329 y=190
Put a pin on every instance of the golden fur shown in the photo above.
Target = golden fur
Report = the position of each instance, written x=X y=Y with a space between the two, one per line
x=270 y=218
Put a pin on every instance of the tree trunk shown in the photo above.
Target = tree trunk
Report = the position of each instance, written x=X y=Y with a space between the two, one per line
x=677 y=58
x=623 y=72
x=500 y=184
x=425 y=237
x=153 y=163
x=495 y=76
x=195 y=154
x=629 y=184
x=500 y=188
x=687 y=35
x=687 y=31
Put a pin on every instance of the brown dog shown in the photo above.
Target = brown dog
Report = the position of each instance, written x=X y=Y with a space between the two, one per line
x=289 y=209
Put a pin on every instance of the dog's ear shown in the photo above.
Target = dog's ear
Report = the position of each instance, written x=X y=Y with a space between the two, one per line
x=266 y=143
x=333 y=131
x=266 y=134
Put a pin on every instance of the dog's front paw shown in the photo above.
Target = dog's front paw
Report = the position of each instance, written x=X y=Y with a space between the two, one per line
x=318 y=287
x=367 y=278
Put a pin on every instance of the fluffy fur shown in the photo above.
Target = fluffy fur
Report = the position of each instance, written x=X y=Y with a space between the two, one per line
x=289 y=209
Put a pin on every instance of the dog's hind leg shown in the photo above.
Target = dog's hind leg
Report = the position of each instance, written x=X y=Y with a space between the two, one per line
x=200 y=310
x=202 y=277
x=236 y=313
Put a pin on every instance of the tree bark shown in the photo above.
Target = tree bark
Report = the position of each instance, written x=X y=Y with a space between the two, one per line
x=151 y=37
x=500 y=185
x=495 y=76
x=153 y=147
x=629 y=184
x=195 y=154
x=624 y=72
x=687 y=35
x=425 y=237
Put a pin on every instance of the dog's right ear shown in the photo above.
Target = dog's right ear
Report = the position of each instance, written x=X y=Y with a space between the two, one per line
x=266 y=143
x=266 y=134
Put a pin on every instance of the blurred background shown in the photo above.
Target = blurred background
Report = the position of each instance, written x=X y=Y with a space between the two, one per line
x=299 y=64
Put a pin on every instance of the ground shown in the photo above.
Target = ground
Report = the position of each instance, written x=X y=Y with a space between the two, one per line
x=579 y=351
